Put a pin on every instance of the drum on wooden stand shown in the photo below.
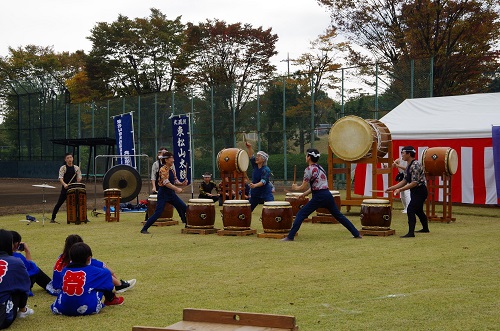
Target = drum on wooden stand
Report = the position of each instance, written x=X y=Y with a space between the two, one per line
x=440 y=160
x=168 y=210
x=296 y=201
x=277 y=217
x=112 y=193
x=112 y=198
x=76 y=203
x=376 y=214
x=200 y=213
x=236 y=215
x=324 y=211
x=232 y=159
x=351 y=138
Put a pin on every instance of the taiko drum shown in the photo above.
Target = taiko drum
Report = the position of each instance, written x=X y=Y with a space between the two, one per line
x=232 y=159
x=277 y=216
x=325 y=212
x=440 y=160
x=296 y=201
x=376 y=214
x=112 y=193
x=76 y=204
x=200 y=214
x=351 y=138
x=236 y=215
x=168 y=210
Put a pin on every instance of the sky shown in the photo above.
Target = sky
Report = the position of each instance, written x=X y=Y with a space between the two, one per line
x=65 y=24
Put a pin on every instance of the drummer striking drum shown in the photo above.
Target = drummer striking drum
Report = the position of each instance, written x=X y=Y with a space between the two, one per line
x=260 y=187
x=68 y=173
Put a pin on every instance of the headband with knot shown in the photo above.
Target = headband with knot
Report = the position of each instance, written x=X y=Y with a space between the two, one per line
x=263 y=154
x=314 y=154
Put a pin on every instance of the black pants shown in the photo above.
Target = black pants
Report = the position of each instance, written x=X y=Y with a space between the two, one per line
x=19 y=300
x=416 y=208
x=41 y=279
x=62 y=198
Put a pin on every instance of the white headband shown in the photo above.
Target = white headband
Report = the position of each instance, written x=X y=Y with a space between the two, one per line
x=314 y=154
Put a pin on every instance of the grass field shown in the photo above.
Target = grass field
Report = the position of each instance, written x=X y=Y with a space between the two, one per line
x=445 y=280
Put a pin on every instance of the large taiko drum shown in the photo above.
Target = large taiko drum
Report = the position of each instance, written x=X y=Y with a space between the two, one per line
x=76 y=204
x=376 y=214
x=440 y=160
x=351 y=138
x=232 y=159
x=200 y=214
x=236 y=215
x=296 y=201
x=325 y=212
x=277 y=216
x=112 y=193
x=168 y=210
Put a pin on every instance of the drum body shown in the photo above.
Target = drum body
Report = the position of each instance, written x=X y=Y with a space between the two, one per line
x=236 y=215
x=296 y=202
x=168 y=210
x=76 y=205
x=277 y=216
x=376 y=214
x=351 y=138
x=325 y=212
x=232 y=159
x=200 y=213
x=440 y=160
x=76 y=185
x=112 y=193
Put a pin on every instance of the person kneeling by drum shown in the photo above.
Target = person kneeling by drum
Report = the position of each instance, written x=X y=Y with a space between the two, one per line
x=315 y=177
x=206 y=188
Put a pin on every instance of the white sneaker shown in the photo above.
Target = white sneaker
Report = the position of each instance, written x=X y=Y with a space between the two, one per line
x=23 y=314
x=404 y=211
x=126 y=285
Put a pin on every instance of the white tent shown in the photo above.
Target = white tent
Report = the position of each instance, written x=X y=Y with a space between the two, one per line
x=461 y=122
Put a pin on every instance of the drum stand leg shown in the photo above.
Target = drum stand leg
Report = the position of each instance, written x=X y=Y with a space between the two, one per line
x=43 y=206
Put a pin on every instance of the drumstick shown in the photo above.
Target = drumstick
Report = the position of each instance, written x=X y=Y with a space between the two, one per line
x=377 y=191
x=72 y=178
x=244 y=137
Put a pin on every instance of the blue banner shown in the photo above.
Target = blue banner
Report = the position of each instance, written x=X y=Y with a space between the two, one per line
x=181 y=144
x=124 y=133
x=495 y=137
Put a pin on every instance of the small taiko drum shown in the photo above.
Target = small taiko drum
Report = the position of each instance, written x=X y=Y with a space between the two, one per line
x=325 y=212
x=168 y=210
x=75 y=185
x=440 y=160
x=351 y=138
x=200 y=214
x=76 y=204
x=112 y=193
x=296 y=201
x=277 y=216
x=232 y=159
x=236 y=215
x=376 y=214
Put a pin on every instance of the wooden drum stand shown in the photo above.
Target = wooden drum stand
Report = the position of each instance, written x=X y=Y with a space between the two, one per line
x=433 y=186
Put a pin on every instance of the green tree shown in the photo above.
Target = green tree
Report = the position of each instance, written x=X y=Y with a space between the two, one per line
x=227 y=60
x=459 y=35
x=132 y=57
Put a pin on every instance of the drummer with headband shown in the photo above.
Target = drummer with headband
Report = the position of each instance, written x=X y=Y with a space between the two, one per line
x=315 y=181
x=68 y=173
x=260 y=187
x=414 y=181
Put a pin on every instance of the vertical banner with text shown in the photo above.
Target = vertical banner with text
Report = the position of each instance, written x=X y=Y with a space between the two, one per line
x=181 y=144
x=124 y=132
x=495 y=137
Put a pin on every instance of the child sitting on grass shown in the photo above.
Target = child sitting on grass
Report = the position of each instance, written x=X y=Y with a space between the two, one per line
x=83 y=286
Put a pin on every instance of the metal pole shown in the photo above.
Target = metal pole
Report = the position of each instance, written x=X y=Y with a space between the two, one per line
x=412 y=76
x=213 y=128
x=376 y=91
x=258 y=115
x=285 y=177
x=431 y=79
x=342 y=110
x=233 y=109
x=312 y=110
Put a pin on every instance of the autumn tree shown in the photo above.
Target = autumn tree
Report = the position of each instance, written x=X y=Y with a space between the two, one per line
x=136 y=56
x=226 y=61
x=459 y=35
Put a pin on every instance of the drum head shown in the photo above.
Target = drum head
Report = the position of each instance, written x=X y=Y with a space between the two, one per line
x=236 y=202
x=452 y=161
x=350 y=138
x=293 y=194
x=376 y=201
x=277 y=203
x=243 y=161
x=200 y=201
x=125 y=178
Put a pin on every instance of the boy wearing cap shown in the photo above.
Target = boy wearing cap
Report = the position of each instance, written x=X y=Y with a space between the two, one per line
x=206 y=188
x=414 y=181
x=260 y=186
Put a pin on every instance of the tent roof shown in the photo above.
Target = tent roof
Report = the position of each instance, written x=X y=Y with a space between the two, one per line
x=463 y=116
